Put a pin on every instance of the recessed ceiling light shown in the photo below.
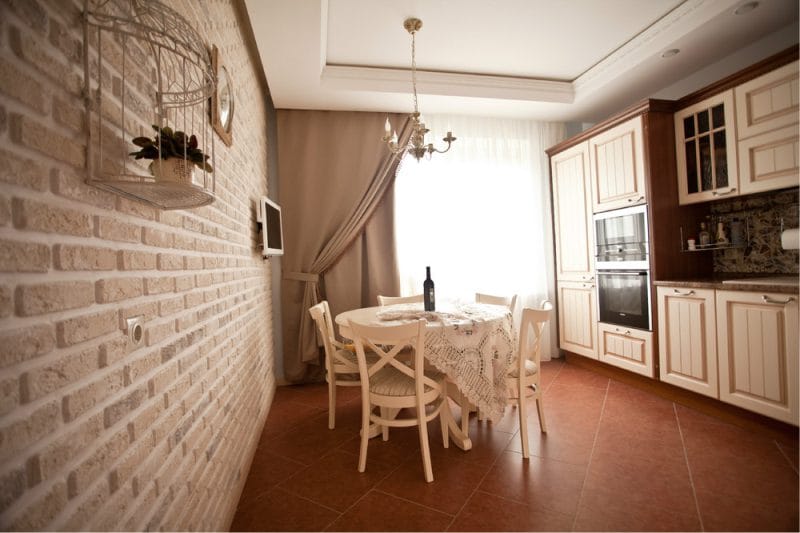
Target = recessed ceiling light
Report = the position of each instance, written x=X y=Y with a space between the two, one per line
x=745 y=8
x=671 y=52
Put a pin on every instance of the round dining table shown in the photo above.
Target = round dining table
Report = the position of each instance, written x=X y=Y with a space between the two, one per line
x=474 y=344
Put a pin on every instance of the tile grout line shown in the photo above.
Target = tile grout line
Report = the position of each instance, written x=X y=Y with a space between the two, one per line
x=688 y=467
x=783 y=452
x=591 y=455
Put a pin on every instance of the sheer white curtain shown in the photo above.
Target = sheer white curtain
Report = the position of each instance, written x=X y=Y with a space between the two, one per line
x=480 y=215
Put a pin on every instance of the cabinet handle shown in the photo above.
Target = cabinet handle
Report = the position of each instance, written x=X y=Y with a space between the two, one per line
x=627 y=332
x=768 y=300
x=717 y=193
x=679 y=293
x=631 y=200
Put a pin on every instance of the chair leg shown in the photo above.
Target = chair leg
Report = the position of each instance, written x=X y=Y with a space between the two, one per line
x=523 y=420
x=385 y=413
x=331 y=404
x=540 y=408
x=466 y=407
x=365 y=410
x=444 y=416
x=423 y=441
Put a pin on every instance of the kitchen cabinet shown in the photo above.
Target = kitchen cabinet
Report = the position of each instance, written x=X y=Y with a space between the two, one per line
x=705 y=145
x=687 y=348
x=628 y=348
x=757 y=336
x=577 y=318
x=616 y=163
x=767 y=135
x=572 y=214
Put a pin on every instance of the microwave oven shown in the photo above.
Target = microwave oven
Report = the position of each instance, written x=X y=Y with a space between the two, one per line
x=621 y=239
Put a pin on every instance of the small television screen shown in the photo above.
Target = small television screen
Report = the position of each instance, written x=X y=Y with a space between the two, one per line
x=271 y=227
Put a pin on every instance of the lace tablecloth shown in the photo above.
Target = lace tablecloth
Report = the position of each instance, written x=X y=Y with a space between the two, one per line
x=474 y=344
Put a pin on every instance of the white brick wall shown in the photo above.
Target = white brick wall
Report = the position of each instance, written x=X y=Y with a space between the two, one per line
x=96 y=433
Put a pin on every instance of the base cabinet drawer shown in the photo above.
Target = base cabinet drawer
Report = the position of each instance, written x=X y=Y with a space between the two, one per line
x=757 y=338
x=687 y=346
x=628 y=348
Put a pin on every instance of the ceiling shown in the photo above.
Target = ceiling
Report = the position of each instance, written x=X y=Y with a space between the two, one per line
x=563 y=60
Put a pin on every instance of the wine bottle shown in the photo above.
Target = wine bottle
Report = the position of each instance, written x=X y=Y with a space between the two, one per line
x=428 y=292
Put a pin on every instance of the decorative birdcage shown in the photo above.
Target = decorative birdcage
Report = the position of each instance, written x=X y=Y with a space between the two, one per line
x=147 y=75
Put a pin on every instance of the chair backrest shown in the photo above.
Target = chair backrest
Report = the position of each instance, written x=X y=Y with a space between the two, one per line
x=533 y=321
x=391 y=300
x=509 y=301
x=321 y=313
x=387 y=342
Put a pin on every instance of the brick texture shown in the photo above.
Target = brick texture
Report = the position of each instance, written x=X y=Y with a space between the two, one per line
x=96 y=432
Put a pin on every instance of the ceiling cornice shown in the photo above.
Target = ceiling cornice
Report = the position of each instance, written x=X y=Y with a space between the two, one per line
x=446 y=84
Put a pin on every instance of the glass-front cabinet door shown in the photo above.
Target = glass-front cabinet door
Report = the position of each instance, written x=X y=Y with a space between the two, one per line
x=706 y=149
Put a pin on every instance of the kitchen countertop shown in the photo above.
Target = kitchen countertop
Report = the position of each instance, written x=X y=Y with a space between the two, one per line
x=775 y=283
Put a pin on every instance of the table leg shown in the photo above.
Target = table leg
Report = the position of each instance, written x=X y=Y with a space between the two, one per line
x=460 y=439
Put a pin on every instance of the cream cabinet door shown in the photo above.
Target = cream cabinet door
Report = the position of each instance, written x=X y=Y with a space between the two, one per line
x=572 y=214
x=705 y=145
x=766 y=121
x=616 y=163
x=757 y=337
x=631 y=349
x=687 y=339
x=577 y=318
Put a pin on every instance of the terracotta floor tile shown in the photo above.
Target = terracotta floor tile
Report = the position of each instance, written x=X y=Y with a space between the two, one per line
x=574 y=376
x=284 y=415
x=309 y=440
x=378 y=511
x=266 y=471
x=652 y=517
x=334 y=480
x=791 y=453
x=487 y=512
x=454 y=481
x=541 y=483
x=278 y=510
x=721 y=512
x=402 y=443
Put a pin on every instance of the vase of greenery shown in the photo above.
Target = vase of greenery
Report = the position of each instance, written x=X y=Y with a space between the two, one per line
x=174 y=155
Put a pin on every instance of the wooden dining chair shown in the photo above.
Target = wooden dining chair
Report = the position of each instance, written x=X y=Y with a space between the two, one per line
x=522 y=380
x=341 y=365
x=389 y=384
x=391 y=300
x=509 y=301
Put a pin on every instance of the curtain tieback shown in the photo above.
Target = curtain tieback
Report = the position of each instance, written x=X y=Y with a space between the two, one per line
x=302 y=276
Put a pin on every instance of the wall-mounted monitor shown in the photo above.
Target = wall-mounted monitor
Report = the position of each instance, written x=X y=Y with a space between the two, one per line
x=269 y=214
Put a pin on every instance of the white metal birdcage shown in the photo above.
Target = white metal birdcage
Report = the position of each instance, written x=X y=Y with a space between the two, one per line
x=146 y=68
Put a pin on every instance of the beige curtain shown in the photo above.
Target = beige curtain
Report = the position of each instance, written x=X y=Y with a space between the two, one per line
x=334 y=175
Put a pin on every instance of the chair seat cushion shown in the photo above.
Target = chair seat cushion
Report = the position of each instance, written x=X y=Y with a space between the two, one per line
x=530 y=369
x=392 y=382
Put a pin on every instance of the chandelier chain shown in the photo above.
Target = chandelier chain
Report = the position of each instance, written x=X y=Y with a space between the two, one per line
x=417 y=145
x=414 y=68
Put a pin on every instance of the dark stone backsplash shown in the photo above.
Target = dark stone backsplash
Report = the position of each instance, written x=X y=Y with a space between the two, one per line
x=764 y=213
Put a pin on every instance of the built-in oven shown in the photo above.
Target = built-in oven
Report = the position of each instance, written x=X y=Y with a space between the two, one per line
x=622 y=264
x=623 y=297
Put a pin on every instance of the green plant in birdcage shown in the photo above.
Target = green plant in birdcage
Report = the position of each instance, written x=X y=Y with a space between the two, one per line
x=168 y=144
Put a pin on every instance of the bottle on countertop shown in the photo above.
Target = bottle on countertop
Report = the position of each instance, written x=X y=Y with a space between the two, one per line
x=721 y=237
x=703 y=237
x=428 y=292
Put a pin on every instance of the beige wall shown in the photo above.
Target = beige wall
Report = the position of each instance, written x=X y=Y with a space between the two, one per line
x=94 y=432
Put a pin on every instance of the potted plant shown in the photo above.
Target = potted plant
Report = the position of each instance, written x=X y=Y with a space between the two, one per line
x=177 y=153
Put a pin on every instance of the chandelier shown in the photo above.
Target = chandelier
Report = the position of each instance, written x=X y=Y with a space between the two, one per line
x=416 y=144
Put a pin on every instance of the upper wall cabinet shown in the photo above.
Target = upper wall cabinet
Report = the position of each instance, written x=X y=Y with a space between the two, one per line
x=705 y=146
x=616 y=162
x=766 y=122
